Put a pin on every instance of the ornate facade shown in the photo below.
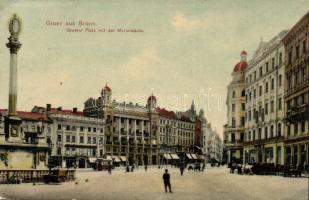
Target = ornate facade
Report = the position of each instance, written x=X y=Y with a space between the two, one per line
x=235 y=128
x=264 y=103
x=296 y=44
x=177 y=133
x=131 y=130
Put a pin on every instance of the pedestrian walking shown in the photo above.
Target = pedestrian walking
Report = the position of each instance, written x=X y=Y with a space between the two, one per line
x=182 y=169
x=166 y=180
x=110 y=169
x=145 y=168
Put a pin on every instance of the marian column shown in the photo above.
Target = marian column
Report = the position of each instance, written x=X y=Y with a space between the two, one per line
x=13 y=45
x=13 y=122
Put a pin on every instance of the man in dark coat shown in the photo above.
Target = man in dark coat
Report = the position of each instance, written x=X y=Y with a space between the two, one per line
x=166 y=179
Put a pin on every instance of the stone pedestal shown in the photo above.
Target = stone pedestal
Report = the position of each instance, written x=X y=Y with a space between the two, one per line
x=13 y=129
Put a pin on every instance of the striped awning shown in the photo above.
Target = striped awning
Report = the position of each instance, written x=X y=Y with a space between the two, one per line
x=189 y=156
x=174 y=156
x=167 y=156
x=123 y=158
x=194 y=156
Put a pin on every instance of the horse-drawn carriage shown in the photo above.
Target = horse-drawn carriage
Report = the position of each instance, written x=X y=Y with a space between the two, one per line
x=56 y=176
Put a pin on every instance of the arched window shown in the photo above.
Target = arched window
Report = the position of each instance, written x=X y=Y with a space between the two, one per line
x=233 y=94
x=243 y=93
x=266 y=132
x=279 y=129
x=272 y=131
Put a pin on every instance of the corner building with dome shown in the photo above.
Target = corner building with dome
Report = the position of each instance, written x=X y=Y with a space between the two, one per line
x=234 y=130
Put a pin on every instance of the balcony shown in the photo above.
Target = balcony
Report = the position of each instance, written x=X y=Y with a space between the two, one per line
x=233 y=143
x=265 y=140
x=295 y=88
x=298 y=113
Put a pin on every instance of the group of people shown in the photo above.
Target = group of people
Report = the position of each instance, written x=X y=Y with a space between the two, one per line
x=166 y=175
x=130 y=168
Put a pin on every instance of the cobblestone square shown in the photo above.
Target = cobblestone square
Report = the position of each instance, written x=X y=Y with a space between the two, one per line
x=214 y=183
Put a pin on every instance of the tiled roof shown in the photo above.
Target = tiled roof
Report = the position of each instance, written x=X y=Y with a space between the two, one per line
x=166 y=113
x=28 y=115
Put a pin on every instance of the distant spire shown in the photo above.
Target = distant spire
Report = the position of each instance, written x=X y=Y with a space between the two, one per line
x=192 y=106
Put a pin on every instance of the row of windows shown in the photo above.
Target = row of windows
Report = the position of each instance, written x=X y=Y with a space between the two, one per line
x=81 y=128
x=173 y=141
x=268 y=132
x=249 y=94
x=265 y=110
x=242 y=107
x=294 y=53
x=179 y=132
x=242 y=121
x=296 y=128
x=130 y=121
x=262 y=70
x=297 y=78
x=179 y=124
x=297 y=101
x=72 y=139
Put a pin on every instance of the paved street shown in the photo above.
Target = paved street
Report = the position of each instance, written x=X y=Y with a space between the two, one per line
x=214 y=183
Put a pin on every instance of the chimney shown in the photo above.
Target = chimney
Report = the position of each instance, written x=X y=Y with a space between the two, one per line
x=48 y=107
x=59 y=108
x=75 y=110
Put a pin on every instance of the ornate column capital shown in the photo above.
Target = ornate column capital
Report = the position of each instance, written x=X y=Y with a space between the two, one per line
x=13 y=44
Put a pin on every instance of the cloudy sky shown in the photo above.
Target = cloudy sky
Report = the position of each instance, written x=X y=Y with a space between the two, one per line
x=187 y=50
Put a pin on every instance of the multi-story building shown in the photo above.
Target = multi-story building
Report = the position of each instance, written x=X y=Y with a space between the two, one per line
x=204 y=134
x=296 y=97
x=235 y=127
x=131 y=131
x=217 y=148
x=76 y=140
x=143 y=134
x=176 y=135
x=213 y=145
x=264 y=85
